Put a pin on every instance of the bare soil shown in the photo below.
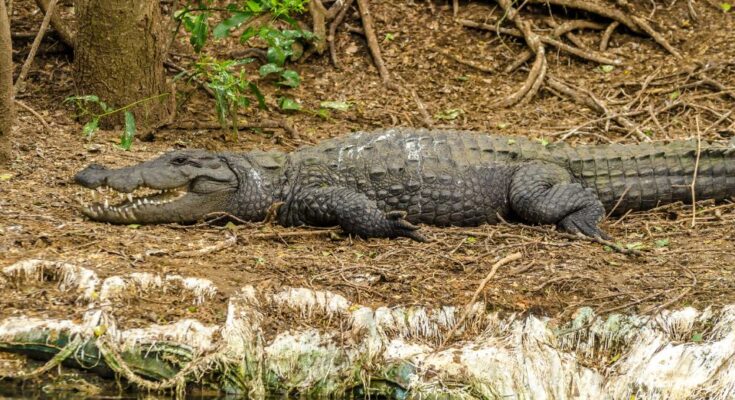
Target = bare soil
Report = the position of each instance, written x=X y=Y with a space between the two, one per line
x=683 y=264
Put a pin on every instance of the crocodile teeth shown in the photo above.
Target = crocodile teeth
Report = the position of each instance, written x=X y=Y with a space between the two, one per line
x=130 y=197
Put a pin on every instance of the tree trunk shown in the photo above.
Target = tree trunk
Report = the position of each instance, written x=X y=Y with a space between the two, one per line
x=7 y=111
x=119 y=57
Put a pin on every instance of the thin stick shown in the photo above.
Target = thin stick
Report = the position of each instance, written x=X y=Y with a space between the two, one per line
x=426 y=118
x=229 y=242
x=656 y=36
x=35 y=114
x=34 y=47
x=480 y=288
x=694 y=177
x=372 y=40
x=468 y=63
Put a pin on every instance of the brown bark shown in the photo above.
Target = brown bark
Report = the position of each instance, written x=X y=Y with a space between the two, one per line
x=7 y=111
x=119 y=57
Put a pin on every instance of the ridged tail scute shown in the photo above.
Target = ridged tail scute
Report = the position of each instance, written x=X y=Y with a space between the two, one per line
x=643 y=176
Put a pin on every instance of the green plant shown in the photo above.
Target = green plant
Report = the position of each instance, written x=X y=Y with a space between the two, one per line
x=93 y=109
x=231 y=88
x=256 y=19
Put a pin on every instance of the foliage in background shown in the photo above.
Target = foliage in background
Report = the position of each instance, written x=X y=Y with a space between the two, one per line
x=92 y=109
x=270 y=21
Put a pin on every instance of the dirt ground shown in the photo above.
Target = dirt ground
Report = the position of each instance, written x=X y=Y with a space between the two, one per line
x=429 y=53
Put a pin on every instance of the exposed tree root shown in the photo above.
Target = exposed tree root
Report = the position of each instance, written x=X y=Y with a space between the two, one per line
x=538 y=70
x=59 y=26
x=372 y=40
x=333 y=31
x=536 y=42
x=595 y=8
x=605 y=41
x=590 y=55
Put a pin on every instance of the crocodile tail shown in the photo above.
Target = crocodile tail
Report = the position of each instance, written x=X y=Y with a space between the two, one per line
x=644 y=176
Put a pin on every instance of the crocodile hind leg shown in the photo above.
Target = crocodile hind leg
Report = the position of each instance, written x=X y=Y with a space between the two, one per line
x=544 y=193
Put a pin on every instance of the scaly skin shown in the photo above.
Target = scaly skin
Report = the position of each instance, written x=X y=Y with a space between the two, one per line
x=381 y=184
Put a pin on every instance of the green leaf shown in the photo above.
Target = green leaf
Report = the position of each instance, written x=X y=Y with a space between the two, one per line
x=471 y=240
x=697 y=337
x=276 y=55
x=674 y=95
x=91 y=127
x=270 y=68
x=291 y=78
x=543 y=141
x=254 y=6
x=134 y=226
x=511 y=141
x=450 y=114
x=288 y=104
x=336 y=105
x=223 y=28
x=258 y=95
x=662 y=243
x=389 y=37
x=6 y=177
x=249 y=32
x=635 y=246
x=230 y=226
x=126 y=140
x=502 y=125
x=199 y=31
x=607 y=68
x=726 y=7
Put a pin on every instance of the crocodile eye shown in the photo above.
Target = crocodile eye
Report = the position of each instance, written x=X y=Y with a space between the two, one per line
x=180 y=160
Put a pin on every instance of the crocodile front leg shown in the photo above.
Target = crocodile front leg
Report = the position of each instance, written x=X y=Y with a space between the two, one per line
x=544 y=193
x=353 y=211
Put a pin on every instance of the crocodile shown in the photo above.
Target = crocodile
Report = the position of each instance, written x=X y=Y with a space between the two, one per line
x=385 y=183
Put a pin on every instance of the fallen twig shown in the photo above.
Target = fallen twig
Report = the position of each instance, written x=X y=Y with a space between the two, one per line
x=35 y=114
x=480 y=288
x=229 y=242
x=426 y=118
x=656 y=36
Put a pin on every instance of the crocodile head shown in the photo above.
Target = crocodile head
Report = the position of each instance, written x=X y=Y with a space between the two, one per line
x=179 y=186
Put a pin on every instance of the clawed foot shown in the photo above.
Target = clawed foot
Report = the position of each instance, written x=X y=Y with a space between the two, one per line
x=579 y=223
x=401 y=227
